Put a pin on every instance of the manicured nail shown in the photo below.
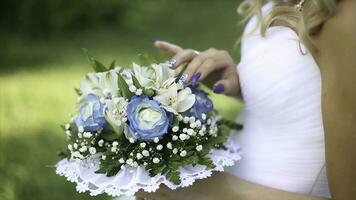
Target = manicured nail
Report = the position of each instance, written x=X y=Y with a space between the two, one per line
x=183 y=79
x=219 y=88
x=172 y=63
x=195 y=78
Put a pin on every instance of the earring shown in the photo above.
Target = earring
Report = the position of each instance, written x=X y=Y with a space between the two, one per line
x=299 y=6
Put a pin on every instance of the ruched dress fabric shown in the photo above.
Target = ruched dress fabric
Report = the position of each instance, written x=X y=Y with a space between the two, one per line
x=282 y=142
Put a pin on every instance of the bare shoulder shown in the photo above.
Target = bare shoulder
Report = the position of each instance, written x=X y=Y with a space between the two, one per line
x=337 y=60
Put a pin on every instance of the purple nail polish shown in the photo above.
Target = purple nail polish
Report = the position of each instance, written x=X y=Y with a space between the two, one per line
x=195 y=78
x=172 y=62
x=183 y=78
x=219 y=88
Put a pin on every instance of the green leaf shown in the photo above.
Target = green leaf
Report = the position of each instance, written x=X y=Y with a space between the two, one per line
x=174 y=177
x=149 y=92
x=124 y=88
x=231 y=124
x=136 y=82
x=96 y=65
x=143 y=60
x=181 y=73
x=110 y=136
x=112 y=65
x=77 y=91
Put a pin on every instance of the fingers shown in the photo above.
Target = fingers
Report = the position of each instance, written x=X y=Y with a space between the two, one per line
x=182 y=57
x=192 y=69
x=167 y=47
x=207 y=68
x=229 y=85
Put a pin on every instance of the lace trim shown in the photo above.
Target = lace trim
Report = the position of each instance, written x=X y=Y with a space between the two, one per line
x=128 y=181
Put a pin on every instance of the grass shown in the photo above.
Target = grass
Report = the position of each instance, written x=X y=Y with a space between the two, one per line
x=37 y=79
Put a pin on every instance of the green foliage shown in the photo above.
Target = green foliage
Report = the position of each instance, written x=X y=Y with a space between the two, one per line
x=96 y=65
x=124 y=88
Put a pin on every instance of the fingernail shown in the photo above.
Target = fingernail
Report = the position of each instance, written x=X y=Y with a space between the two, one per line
x=172 y=63
x=182 y=79
x=195 y=78
x=219 y=88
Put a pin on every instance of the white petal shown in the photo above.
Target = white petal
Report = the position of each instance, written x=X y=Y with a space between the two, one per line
x=185 y=100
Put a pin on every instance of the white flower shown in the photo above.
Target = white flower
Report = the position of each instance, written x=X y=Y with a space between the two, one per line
x=198 y=123
x=87 y=134
x=180 y=117
x=92 y=150
x=153 y=76
x=145 y=153
x=138 y=92
x=101 y=143
x=145 y=163
x=155 y=160
x=101 y=84
x=129 y=161
x=193 y=125
x=186 y=120
x=115 y=112
x=68 y=133
x=183 y=136
x=81 y=129
x=174 y=137
x=175 y=151
x=113 y=149
x=132 y=88
x=203 y=116
x=80 y=135
x=169 y=145
x=115 y=143
x=103 y=157
x=122 y=167
x=199 y=148
x=67 y=126
x=174 y=101
x=183 y=153
x=143 y=145
x=192 y=119
x=139 y=156
x=83 y=149
x=190 y=132
x=121 y=160
x=75 y=145
x=70 y=147
x=159 y=147
x=175 y=129
x=156 y=140
x=132 y=140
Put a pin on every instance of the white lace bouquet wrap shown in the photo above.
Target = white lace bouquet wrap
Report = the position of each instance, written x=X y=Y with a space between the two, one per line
x=140 y=127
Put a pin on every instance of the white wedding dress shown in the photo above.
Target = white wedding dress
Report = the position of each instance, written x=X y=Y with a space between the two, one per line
x=283 y=139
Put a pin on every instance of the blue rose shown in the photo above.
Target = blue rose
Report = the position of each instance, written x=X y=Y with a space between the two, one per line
x=202 y=104
x=91 y=114
x=147 y=119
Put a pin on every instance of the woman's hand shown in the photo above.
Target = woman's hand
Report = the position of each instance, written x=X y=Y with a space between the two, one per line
x=214 y=67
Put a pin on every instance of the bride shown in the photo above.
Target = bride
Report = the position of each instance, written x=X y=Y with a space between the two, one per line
x=288 y=48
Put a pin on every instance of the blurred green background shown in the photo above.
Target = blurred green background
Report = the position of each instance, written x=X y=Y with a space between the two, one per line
x=41 y=62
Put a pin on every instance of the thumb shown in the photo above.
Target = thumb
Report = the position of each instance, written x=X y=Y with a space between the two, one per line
x=229 y=86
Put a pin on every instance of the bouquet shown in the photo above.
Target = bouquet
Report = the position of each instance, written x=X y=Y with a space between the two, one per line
x=139 y=127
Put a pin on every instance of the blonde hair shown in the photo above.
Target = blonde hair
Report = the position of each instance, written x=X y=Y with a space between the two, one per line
x=304 y=22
